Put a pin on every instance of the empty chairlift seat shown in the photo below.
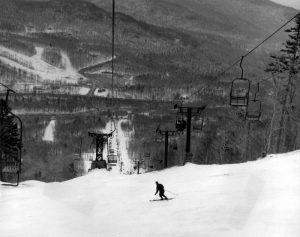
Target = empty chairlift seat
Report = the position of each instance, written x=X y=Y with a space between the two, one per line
x=159 y=138
x=112 y=159
x=253 y=111
x=180 y=124
x=239 y=93
x=198 y=124
x=10 y=170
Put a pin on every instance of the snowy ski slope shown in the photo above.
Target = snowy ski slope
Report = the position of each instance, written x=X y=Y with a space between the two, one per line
x=260 y=198
x=35 y=65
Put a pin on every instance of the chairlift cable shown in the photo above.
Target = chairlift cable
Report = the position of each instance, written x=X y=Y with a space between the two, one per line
x=113 y=48
x=112 y=62
x=261 y=43
x=252 y=50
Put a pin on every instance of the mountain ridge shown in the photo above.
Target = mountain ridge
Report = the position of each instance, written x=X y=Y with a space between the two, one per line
x=173 y=44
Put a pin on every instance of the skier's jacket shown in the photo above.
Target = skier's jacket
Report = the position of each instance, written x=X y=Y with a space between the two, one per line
x=159 y=188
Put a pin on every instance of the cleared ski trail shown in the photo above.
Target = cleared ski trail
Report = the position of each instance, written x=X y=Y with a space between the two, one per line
x=35 y=65
x=258 y=198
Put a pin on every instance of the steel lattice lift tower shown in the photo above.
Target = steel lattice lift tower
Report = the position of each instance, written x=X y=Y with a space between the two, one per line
x=101 y=139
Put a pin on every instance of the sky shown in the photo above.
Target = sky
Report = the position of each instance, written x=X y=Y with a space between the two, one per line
x=289 y=3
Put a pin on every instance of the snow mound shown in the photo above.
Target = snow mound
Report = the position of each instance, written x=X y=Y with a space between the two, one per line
x=258 y=198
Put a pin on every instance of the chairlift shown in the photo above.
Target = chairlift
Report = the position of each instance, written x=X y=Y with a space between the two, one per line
x=112 y=160
x=253 y=111
x=198 y=124
x=158 y=138
x=180 y=123
x=173 y=144
x=197 y=128
x=8 y=91
x=109 y=103
x=111 y=151
x=112 y=157
x=239 y=92
x=11 y=168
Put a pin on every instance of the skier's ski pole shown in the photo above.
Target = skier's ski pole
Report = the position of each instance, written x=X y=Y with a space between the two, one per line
x=172 y=192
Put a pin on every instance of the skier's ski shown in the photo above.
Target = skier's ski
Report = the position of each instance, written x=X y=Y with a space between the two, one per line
x=155 y=200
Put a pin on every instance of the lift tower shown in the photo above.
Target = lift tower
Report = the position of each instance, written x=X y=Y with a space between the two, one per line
x=189 y=112
x=166 y=133
x=101 y=139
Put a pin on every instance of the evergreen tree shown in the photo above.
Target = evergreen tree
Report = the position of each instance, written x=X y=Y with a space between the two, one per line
x=287 y=62
x=9 y=135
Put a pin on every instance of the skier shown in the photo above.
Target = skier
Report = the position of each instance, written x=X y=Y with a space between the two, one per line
x=161 y=190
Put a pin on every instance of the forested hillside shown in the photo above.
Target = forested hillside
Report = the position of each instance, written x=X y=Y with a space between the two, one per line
x=57 y=56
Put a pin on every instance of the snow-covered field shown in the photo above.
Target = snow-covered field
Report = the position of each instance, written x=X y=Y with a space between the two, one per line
x=289 y=3
x=103 y=93
x=49 y=132
x=83 y=90
x=260 y=198
x=37 y=66
x=118 y=145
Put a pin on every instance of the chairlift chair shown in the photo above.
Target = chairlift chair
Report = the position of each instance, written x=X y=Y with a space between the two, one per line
x=111 y=151
x=158 y=139
x=112 y=160
x=173 y=144
x=180 y=123
x=239 y=93
x=253 y=111
x=11 y=168
x=198 y=124
x=197 y=128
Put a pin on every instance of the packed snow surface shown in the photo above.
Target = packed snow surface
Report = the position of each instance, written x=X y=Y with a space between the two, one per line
x=49 y=132
x=84 y=90
x=260 y=198
x=289 y=3
x=37 y=66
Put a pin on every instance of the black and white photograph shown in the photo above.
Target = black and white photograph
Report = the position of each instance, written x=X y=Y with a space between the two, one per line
x=149 y=118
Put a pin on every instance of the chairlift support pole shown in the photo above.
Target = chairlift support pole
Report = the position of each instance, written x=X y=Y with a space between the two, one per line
x=113 y=48
x=167 y=134
x=248 y=141
x=99 y=147
x=8 y=90
x=189 y=112
x=241 y=66
x=188 y=130
x=101 y=139
x=166 y=148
